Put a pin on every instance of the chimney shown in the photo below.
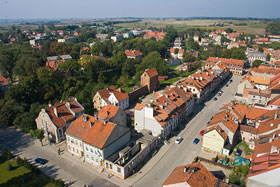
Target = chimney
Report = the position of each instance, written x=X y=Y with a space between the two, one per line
x=185 y=169
x=107 y=113
x=91 y=124
x=50 y=104
x=85 y=118
x=276 y=114
x=68 y=105
x=55 y=111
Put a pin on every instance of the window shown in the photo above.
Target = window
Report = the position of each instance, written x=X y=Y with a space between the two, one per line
x=107 y=165
x=91 y=150
x=86 y=148
x=69 y=147
x=119 y=170
x=110 y=166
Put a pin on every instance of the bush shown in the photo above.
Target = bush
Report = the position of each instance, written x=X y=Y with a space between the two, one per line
x=58 y=182
x=195 y=159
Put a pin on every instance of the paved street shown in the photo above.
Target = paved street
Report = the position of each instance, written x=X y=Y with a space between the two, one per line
x=64 y=166
x=185 y=152
x=77 y=173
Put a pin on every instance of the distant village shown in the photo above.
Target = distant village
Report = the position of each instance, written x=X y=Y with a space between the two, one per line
x=129 y=128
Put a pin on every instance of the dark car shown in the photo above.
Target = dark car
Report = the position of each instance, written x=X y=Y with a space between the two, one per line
x=226 y=85
x=41 y=161
x=195 y=141
x=215 y=99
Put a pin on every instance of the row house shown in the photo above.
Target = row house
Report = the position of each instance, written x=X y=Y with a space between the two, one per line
x=94 y=139
x=112 y=96
x=235 y=66
x=204 y=82
x=222 y=133
x=55 y=119
x=164 y=113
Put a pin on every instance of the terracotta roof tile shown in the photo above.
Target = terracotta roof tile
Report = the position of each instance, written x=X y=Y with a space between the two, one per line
x=64 y=113
x=108 y=112
x=151 y=72
x=201 y=177
x=132 y=53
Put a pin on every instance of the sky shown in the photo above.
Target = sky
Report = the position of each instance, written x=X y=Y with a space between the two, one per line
x=38 y=9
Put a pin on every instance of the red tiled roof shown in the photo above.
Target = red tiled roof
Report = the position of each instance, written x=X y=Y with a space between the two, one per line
x=225 y=61
x=79 y=128
x=151 y=72
x=132 y=53
x=100 y=134
x=64 y=113
x=180 y=51
x=119 y=94
x=108 y=112
x=201 y=177
x=139 y=106
x=3 y=81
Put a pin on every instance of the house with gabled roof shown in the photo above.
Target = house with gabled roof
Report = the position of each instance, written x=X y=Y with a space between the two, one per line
x=192 y=175
x=95 y=139
x=162 y=115
x=55 y=119
x=221 y=134
x=234 y=65
x=111 y=95
x=133 y=54
x=114 y=114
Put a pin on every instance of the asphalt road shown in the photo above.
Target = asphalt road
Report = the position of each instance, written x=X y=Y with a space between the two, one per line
x=184 y=153
x=77 y=173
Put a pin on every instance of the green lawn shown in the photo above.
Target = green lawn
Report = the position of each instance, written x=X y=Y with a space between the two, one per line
x=7 y=175
x=50 y=185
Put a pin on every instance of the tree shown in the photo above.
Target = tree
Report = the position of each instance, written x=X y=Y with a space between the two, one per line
x=153 y=60
x=9 y=168
x=229 y=30
x=39 y=134
x=68 y=66
x=188 y=57
x=257 y=63
x=176 y=51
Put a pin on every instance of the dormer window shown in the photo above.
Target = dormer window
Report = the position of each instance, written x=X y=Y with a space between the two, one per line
x=271 y=124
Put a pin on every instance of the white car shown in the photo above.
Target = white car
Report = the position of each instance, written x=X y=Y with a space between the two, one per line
x=178 y=140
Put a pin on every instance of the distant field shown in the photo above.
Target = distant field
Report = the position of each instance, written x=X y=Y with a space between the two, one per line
x=253 y=26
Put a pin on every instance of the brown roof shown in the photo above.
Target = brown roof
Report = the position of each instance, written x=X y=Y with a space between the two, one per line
x=248 y=129
x=139 y=106
x=80 y=127
x=3 y=81
x=151 y=72
x=225 y=61
x=219 y=130
x=64 y=111
x=264 y=163
x=108 y=112
x=196 y=175
x=103 y=133
x=119 y=94
x=133 y=53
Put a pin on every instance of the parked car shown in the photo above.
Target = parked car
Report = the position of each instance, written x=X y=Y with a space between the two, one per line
x=41 y=161
x=202 y=132
x=178 y=140
x=215 y=99
x=195 y=141
x=226 y=85
x=208 y=122
x=219 y=94
x=230 y=80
